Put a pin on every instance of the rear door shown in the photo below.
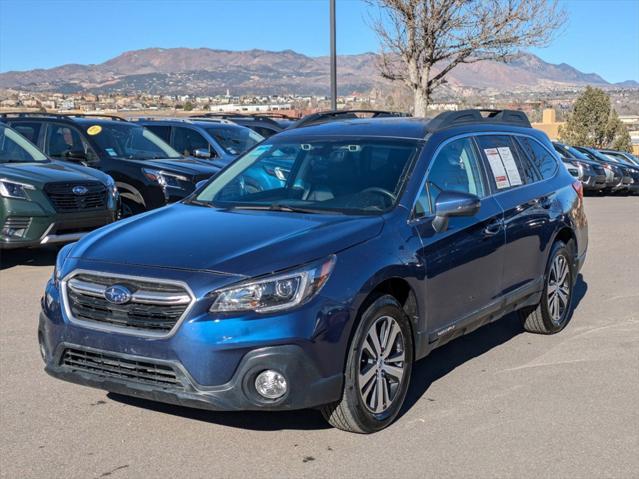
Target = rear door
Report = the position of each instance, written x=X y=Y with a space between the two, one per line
x=522 y=171
x=464 y=263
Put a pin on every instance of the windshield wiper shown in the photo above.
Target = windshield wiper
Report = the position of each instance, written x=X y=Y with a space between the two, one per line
x=199 y=203
x=278 y=207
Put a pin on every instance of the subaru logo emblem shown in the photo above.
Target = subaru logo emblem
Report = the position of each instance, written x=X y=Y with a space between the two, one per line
x=117 y=294
x=80 y=190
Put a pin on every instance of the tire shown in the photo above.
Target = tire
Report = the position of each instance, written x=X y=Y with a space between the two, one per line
x=553 y=311
x=364 y=413
x=129 y=208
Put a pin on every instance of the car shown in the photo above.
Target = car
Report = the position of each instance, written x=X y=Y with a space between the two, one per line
x=630 y=163
x=591 y=174
x=147 y=171
x=621 y=175
x=266 y=125
x=43 y=201
x=218 y=140
x=390 y=238
x=624 y=156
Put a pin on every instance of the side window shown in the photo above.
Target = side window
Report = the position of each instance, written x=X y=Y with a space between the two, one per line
x=455 y=168
x=543 y=160
x=31 y=131
x=505 y=167
x=64 y=141
x=527 y=170
x=186 y=141
x=162 y=131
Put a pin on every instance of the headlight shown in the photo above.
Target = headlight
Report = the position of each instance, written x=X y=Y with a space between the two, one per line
x=166 y=180
x=14 y=189
x=274 y=293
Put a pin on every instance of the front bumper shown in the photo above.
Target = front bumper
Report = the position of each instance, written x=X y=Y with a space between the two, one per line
x=306 y=386
x=46 y=226
x=594 y=183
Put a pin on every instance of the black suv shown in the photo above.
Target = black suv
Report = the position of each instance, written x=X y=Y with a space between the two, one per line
x=147 y=171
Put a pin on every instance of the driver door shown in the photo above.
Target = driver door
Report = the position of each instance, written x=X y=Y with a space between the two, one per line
x=463 y=263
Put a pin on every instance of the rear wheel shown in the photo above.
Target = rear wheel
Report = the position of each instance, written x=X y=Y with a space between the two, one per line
x=377 y=372
x=553 y=311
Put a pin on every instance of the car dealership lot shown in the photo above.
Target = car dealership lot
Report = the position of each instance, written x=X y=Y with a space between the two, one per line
x=498 y=402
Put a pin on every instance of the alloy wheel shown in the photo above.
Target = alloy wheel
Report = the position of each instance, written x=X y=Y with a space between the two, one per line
x=381 y=364
x=558 y=290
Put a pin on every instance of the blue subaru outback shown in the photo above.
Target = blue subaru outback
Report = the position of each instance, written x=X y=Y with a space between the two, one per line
x=389 y=238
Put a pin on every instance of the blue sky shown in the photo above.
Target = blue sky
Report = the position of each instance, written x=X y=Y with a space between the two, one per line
x=602 y=36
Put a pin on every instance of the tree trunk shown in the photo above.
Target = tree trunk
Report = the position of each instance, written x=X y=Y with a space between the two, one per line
x=421 y=101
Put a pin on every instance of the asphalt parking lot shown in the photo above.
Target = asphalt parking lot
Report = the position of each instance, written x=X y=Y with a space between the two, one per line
x=498 y=402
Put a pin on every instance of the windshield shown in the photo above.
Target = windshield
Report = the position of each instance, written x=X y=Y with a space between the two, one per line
x=124 y=140
x=235 y=140
x=619 y=158
x=14 y=148
x=351 y=176
x=576 y=153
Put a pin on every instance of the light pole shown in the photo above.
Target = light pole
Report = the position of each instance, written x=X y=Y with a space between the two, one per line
x=333 y=59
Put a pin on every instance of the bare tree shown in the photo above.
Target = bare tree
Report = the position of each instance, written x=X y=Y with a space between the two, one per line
x=423 y=40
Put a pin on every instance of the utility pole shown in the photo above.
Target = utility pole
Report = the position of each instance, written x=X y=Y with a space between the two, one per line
x=333 y=59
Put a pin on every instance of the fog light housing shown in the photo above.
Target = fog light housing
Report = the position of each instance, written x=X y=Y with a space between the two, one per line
x=271 y=384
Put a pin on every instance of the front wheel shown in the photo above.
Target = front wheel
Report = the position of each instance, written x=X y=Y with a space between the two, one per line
x=553 y=311
x=377 y=372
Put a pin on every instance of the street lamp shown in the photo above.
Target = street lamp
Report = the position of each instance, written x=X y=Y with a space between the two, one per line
x=333 y=59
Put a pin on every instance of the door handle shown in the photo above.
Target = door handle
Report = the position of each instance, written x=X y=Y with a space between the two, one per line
x=493 y=228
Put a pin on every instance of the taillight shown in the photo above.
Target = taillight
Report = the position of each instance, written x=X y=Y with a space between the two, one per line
x=579 y=188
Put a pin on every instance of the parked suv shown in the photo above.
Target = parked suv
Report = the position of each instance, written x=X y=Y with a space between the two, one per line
x=630 y=162
x=147 y=171
x=621 y=177
x=220 y=141
x=591 y=174
x=43 y=201
x=389 y=238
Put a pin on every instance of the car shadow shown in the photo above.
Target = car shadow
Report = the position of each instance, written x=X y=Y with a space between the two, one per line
x=425 y=372
x=44 y=256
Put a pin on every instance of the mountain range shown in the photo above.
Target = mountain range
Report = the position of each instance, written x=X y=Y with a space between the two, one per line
x=205 y=71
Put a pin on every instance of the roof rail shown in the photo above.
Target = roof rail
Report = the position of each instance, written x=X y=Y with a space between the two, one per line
x=332 y=115
x=60 y=116
x=184 y=120
x=96 y=115
x=235 y=116
x=449 y=119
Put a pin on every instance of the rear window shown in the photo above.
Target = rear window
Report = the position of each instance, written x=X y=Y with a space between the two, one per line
x=31 y=131
x=541 y=158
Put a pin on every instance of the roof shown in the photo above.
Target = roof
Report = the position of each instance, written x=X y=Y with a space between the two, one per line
x=410 y=128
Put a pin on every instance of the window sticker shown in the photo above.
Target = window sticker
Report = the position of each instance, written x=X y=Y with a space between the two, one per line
x=111 y=152
x=94 y=130
x=509 y=164
x=497 y=167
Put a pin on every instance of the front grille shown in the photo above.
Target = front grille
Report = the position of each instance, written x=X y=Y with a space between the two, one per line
x=17 y=222
x=112 y=366
x=65 y=200
x=153 y=307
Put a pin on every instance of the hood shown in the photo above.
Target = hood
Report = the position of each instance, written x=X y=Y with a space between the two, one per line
x=41 y=172
x=189 y=167
x=239 y=242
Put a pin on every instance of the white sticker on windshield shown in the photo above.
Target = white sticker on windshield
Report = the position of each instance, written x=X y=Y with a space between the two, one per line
x=111 y=151
x=511 y=167
x=497 y=167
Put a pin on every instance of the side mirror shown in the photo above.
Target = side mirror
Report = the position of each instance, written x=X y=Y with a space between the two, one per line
x=454 y=203
x=202 y=153
x=200 y=184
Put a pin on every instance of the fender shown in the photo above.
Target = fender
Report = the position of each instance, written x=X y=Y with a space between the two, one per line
x=130 y=192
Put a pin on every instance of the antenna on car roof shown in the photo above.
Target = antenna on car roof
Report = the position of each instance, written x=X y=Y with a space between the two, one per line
x=333 y=115
x=449 y=119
